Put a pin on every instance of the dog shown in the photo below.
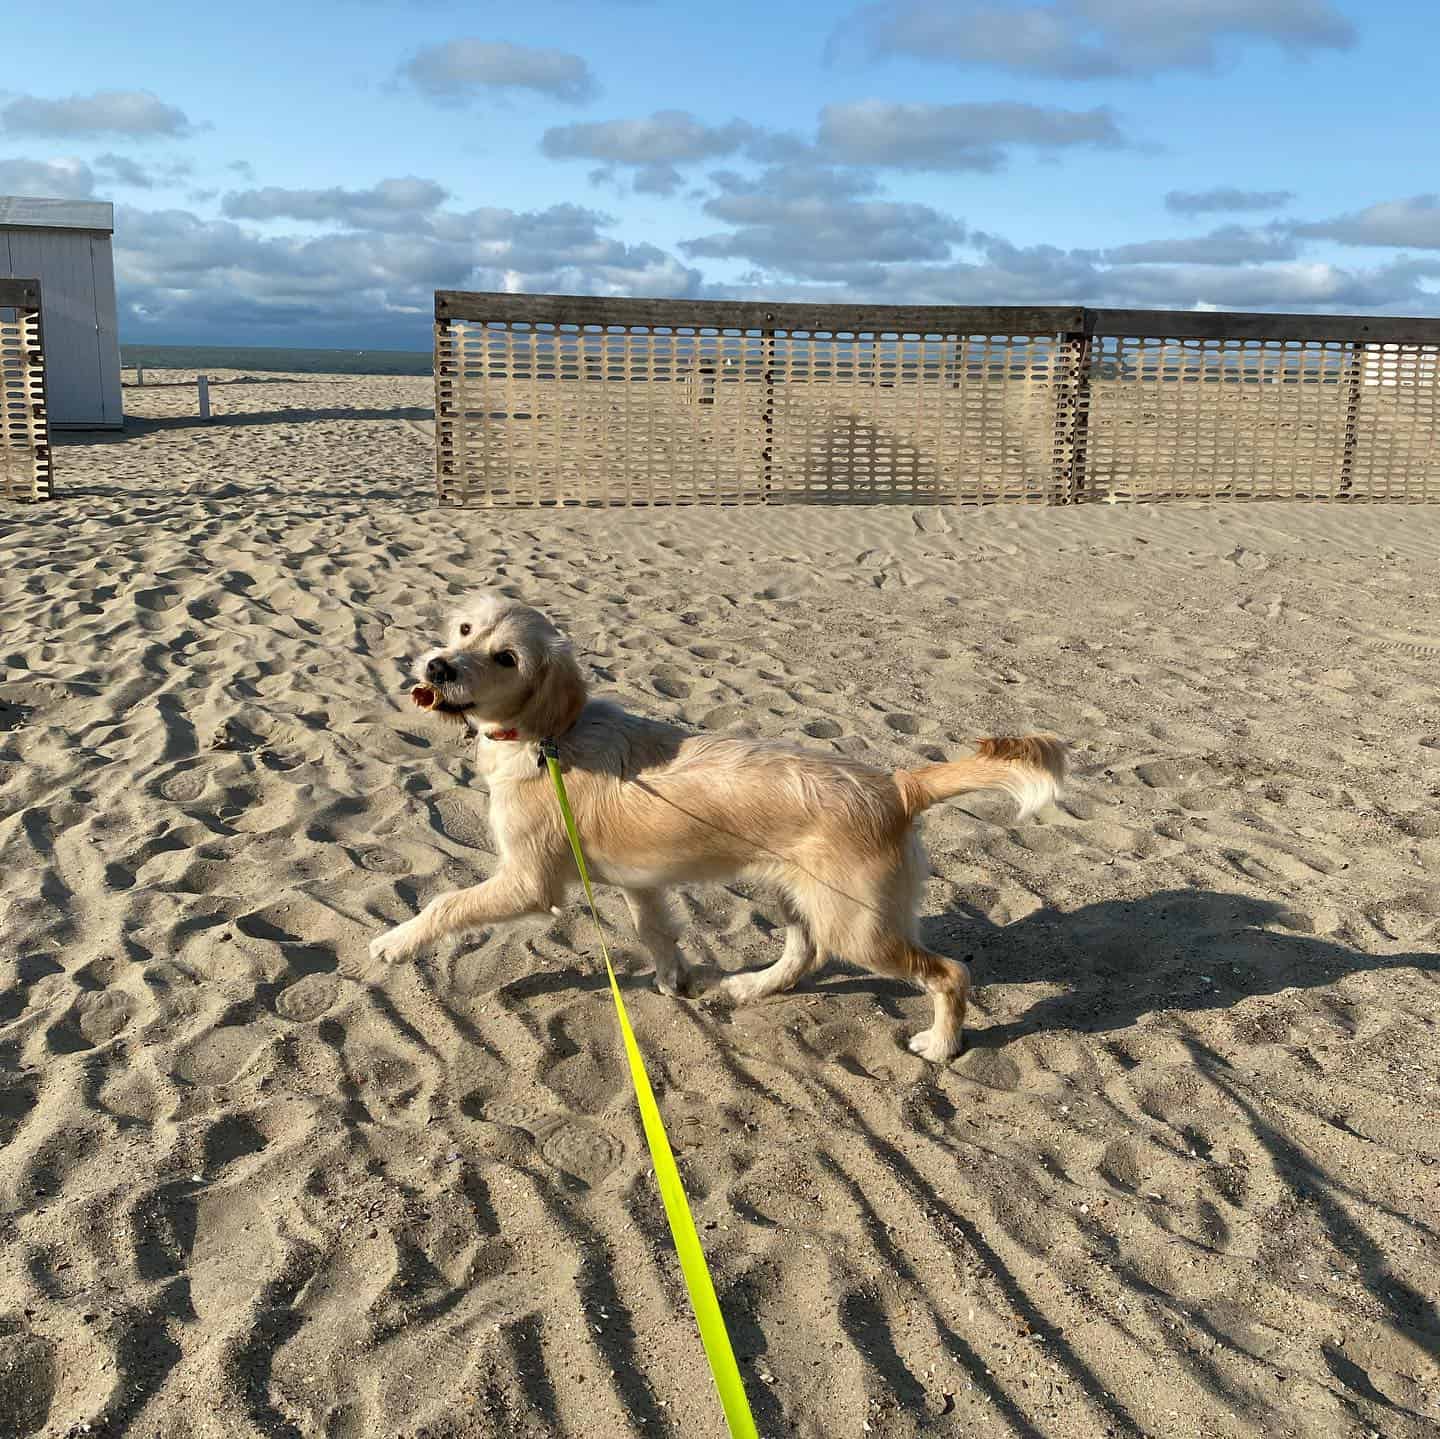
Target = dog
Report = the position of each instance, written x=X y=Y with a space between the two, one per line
x=657 y=806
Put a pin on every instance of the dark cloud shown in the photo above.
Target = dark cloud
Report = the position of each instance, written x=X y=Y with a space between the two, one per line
x=1408 y=224
x=135 y=114
x=819 y=223
x=1229 y=245
x=390 y=205
x=955 y=137
x=1091 y=39
x=112 y=169
x=181 y=277
x=1225 y=199
x=462 y=69
x=121 y=170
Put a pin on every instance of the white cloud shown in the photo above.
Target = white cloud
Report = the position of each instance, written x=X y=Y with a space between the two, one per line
x=1412 y=224
x=134 y=114
x=47 y=179
x=1225 y=199
x=1094 y=39
x=388 y=205
x=956 y=137
x=462 y=69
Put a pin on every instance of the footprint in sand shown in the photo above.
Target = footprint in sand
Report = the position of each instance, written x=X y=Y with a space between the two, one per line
x=29 y=1375
x=583 y=1151
x=994 y=1071
x=182 y=788
x=307 y=999
x=671 y=684
x=221 y=1056
x=379 y=860
x=101 y=1016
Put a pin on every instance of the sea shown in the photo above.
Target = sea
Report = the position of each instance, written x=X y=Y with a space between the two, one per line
x=266 y=358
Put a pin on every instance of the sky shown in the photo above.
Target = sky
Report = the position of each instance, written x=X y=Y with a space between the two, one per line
x=308 y=173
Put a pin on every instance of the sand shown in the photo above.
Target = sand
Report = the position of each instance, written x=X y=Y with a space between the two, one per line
x=1183 y=1182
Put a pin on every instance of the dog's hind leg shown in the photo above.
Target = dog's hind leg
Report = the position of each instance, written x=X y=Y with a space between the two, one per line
x=657 y=930
x=948 y=983
x=799 y=958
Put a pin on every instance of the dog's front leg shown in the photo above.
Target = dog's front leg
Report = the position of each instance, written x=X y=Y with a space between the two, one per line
x=503 y=897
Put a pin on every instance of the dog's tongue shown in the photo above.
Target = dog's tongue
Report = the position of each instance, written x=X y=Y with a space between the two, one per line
x=424 y=696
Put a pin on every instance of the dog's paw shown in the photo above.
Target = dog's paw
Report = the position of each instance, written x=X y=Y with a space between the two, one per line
x=395 y=944
x=934 y=1047
x=679 y=984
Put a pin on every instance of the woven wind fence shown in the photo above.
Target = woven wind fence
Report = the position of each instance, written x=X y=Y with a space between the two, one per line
x=25 y=472
x=566 y=400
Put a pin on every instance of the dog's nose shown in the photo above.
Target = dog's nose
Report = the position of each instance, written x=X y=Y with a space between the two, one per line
x=439 y=671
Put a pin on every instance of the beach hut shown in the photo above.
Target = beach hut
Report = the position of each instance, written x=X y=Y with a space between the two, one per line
x=65 y=244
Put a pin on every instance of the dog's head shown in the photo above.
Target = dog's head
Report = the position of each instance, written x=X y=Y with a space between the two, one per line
x=503 y=666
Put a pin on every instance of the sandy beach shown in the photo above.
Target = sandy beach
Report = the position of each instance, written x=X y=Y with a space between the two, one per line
x=1184 y=1182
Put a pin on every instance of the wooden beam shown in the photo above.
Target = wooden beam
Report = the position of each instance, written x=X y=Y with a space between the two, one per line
x=1249 y=325
x=479 y=307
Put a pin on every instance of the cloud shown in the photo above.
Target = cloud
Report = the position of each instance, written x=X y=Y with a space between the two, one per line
x=1410 y=224
x=462 y=69
x=390 y=205
x=666 y=137
x=120 y=170
x=1225 y=199
x=654 y=146
x=1005 y=274
x=1229 y=245
x=819 y=223
x=243 y=168
x=184 y=279
x=863 y=133
x=955 y=137
x=135 y=114
x=112 y=169
x=1094 y=39
x=47 y=179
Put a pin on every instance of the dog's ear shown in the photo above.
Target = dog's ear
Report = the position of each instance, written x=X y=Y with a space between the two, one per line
x=559 y=693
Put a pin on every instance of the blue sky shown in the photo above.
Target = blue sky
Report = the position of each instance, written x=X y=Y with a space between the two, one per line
x=308 y=173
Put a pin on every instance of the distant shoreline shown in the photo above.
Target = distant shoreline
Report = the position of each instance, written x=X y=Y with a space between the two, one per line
x=276 y=359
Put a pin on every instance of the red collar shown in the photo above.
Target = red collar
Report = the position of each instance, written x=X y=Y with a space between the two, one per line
x=502 y=734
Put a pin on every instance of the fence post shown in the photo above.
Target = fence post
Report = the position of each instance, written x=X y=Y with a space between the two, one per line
x=1354 y=379
x=1072 y=415
x=202 y=384
x=444 y=409
x=768 y=416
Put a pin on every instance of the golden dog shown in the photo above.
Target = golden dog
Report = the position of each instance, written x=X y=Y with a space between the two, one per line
x=658 y=807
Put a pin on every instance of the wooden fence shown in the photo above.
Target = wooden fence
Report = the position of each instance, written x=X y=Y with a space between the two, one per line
x=25 y=467
x=569 y=400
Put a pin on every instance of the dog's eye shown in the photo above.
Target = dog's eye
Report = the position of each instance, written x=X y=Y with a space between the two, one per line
x=464 y=631
x=505 y=658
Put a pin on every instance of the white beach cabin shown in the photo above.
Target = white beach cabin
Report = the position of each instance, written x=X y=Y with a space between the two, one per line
x=65 y=244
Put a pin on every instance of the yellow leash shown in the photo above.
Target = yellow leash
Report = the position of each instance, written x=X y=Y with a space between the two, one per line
x=713 y=1334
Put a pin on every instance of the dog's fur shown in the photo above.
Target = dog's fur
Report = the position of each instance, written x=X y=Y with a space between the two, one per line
x=658 y=807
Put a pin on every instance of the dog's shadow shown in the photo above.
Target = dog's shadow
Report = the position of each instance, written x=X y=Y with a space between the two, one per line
x=1186 y=950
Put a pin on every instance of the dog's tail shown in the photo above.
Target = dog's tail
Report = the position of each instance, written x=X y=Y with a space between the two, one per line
x=1031 y=770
